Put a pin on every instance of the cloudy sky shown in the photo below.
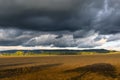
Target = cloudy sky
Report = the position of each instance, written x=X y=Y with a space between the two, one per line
x=60 y=23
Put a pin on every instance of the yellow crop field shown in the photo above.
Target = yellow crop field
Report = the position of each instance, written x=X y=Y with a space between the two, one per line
x=64 y=67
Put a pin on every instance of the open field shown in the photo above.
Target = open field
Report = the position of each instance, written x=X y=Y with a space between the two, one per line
x=79 y=67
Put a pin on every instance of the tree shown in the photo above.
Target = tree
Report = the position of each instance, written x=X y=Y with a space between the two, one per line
x=19 y=53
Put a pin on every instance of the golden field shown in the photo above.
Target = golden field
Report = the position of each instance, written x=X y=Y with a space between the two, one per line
x=61 y=67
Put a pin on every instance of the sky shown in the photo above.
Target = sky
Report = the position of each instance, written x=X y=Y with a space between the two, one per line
x=74 y=24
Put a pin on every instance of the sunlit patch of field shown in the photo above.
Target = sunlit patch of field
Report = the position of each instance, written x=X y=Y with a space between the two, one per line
x=84 y=67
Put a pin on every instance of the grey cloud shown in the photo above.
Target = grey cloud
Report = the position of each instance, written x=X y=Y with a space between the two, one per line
x=59 y=23
x=61 y=15
x=83 y=33
x=16 y=37
x=114 y=37
x=63 y=41
x=54 y=39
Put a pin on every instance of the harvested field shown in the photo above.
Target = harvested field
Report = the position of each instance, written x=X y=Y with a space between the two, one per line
x=84 y=67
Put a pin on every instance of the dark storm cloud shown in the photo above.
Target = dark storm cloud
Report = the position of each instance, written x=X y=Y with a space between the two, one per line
x=59 y=23
x=61 y=15
x=44 y=15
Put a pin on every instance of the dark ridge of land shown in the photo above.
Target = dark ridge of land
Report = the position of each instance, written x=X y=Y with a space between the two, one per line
x=58 y=51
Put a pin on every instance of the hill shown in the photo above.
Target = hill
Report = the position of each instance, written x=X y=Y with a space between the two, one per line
x=57 y=51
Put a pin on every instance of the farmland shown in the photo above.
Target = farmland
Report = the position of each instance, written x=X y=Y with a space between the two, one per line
x=61 y=67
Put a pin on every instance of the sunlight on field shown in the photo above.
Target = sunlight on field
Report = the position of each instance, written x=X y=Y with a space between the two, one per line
x=84 y=67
